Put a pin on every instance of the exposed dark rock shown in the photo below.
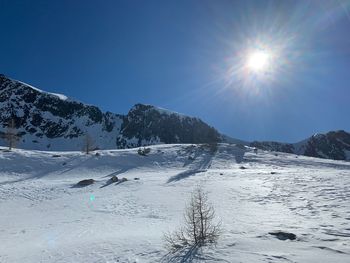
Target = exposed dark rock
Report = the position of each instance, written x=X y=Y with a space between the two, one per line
x=143 y=151
x=283 y=235
x=85 y=182
x=332 y=145
x=114 y=179
x=146 y=122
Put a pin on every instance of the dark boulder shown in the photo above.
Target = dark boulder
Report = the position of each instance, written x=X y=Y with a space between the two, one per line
x=85 y=182
x=283 y=235
x=114 y=179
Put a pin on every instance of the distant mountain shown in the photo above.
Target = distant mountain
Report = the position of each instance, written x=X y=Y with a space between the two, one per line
x=49 y=121
x=146 y=124
x=332 y=145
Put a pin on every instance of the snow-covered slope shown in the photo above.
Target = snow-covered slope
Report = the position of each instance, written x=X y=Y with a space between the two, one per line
x=332 y=145
x=45 y=219
x=49 y=121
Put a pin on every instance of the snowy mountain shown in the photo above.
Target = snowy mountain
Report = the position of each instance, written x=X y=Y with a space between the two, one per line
x=45 y=218
x=146 y=124
x=49 y=121
x=332 y=145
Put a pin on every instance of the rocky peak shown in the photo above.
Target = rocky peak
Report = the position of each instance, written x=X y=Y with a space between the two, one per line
x=332 y=145
x=53 y=122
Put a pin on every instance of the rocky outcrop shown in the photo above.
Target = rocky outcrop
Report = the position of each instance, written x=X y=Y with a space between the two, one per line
x=332 y=145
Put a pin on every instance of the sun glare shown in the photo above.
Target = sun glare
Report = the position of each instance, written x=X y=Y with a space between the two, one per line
x=258 y=61
x=256 y=64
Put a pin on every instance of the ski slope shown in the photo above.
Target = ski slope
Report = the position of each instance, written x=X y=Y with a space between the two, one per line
x=44 y=218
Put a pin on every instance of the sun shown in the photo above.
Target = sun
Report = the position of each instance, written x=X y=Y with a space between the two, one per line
x=258 y=60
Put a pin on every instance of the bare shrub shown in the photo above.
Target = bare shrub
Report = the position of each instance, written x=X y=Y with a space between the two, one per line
x=199 y=227
x=11 y=134
x=88 y=144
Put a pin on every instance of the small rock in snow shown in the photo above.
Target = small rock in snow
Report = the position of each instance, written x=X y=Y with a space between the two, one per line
x=283 y=235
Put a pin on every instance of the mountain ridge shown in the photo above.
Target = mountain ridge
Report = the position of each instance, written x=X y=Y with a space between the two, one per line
x=45 y=120
x=52 y=121
x=331 y=145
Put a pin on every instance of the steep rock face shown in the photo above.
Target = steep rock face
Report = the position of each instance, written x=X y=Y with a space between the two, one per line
x=148 y=123
x=332 y=145
x=49 y=121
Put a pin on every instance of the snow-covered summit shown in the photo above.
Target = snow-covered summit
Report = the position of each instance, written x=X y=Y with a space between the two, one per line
x=162 y=111
x=12 y=82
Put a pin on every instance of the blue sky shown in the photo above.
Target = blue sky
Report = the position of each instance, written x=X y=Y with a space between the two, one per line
x=188 y=56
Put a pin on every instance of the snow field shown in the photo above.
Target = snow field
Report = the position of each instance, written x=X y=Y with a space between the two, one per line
x=44 y=218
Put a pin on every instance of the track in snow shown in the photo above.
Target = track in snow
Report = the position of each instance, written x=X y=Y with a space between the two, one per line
x=44 y=219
